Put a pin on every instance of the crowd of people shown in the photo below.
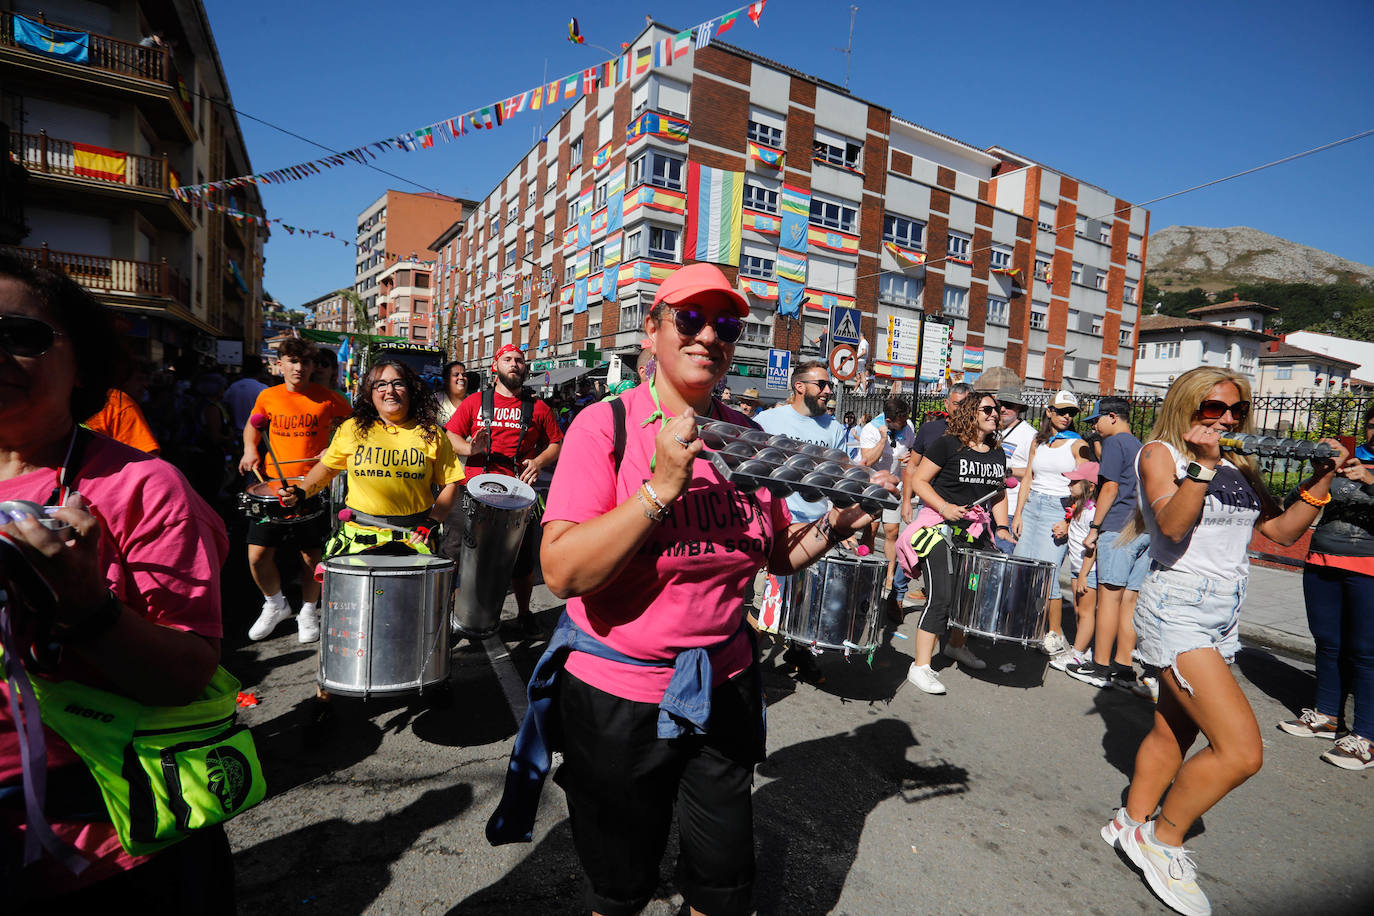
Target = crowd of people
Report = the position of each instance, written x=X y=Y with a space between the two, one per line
x=649 y=686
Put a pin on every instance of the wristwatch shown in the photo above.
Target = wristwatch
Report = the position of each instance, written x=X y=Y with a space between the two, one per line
x=1199 y=473
x=1094 y=526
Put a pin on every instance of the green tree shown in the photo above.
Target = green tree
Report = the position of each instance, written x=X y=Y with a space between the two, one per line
x=361 y=324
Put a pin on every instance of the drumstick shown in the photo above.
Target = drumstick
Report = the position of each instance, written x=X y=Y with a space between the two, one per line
x=347 y=515
x=982 y=499
x=263 y=423
x=258 y=475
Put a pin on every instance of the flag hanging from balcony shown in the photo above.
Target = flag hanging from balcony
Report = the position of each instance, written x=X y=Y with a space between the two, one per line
x=973 y=358
x=790 y=267
x=615 y=200
x=61 y=43
x=795 y=205
x=579 y=296
x=904 y=256
x=99 y=162
x=773 y=158
x=833 y=240
x=791 y=295
x=602 y=157
x=715 y=198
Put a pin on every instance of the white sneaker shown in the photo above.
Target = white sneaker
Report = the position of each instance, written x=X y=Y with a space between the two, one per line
x=308 y=626
x=272 y=614
x=1147 y=687
x=965 y=656
x=1169 y=870
x=924 y=678
x=1069 y=656
x=1351 y=753
x=1119 y=824
x=1054 y=643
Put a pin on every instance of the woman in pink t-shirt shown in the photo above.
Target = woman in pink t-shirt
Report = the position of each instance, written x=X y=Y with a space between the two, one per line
x=136 y=582
x=654 y=558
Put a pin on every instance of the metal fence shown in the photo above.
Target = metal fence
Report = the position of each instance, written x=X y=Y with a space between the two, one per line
x=1292 y=417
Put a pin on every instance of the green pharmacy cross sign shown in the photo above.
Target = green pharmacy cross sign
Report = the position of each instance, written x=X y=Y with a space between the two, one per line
x=590 y=357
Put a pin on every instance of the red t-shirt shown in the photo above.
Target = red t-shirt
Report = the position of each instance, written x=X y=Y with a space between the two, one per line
x=505 y=433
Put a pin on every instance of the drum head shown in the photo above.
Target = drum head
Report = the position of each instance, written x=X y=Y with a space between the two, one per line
x=501 y=491
x=267 y=489
x=382 y=561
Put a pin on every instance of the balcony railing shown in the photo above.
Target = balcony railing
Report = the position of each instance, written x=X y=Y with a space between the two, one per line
x=49 y=155
x=106 y=53
x=154 y=280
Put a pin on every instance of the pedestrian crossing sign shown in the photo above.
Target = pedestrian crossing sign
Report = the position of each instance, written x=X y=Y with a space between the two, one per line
x=844 y=326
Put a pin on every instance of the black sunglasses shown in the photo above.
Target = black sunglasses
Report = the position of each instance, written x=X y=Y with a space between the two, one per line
x=821 y=383
x=989 y=410
x=1069 y=412
x=690 y=322
x=23 y=336
x=1215 y=410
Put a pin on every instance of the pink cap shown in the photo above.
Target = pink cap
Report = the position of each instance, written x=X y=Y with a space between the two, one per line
x=1088 y=471
x=698 y=283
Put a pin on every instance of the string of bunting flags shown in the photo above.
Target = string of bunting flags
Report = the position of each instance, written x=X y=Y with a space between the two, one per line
x=493 y=115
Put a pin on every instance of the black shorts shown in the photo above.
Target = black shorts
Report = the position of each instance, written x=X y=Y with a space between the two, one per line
x=304 y=536
x=525 y=557
x=623 y=783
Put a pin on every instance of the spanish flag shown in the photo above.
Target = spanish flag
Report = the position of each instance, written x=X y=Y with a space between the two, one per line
x=98 y=162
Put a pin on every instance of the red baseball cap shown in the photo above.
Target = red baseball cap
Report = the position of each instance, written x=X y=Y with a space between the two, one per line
x=697 y=283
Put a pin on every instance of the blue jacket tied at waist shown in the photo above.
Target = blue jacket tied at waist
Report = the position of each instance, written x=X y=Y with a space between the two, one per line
x=684 y=711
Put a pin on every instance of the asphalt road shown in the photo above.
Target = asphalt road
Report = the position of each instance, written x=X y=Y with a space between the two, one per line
x=875 y=797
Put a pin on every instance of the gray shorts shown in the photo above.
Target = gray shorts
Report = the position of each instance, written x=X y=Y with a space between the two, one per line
x=1178 y=612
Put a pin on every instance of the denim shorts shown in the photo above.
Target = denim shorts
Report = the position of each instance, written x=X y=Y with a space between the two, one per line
x=1178 y=612
x=1039 y=514
x=1127 y=565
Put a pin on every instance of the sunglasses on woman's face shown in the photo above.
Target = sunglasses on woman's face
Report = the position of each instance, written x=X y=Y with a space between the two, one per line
x=1069 y=412
x=989 y=410
x=689 y=323
x=24 y=336
x=1215 y=410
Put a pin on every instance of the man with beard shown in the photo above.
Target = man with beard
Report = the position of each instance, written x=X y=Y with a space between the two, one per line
x=504 y=430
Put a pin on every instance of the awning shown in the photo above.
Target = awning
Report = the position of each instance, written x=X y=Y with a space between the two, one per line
x=555 y=377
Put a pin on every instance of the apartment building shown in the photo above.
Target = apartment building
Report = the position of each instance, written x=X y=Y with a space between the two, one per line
x=1230 y=335
x=1287 y=370
x=395 y=226
x=107 y=109
x=840 y=203
x=330 y=312
x=405 y=301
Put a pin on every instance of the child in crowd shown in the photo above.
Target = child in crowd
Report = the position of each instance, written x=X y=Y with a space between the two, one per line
x=1082 y=486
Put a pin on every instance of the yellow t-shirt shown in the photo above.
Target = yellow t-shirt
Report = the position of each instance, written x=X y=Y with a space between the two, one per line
x=391 y=470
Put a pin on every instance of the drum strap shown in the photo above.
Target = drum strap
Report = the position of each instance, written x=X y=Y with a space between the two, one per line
x=526 y=421
x=618 y=426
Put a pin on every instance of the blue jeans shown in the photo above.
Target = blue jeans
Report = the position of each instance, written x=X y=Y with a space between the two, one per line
x=1126 y=566
x=1340 y=614
x=1038 y=515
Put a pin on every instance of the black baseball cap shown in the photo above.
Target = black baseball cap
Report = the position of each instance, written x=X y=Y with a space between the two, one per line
x=1119 y=406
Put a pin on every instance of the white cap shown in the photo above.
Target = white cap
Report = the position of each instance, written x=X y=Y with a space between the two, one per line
x=1065 y=399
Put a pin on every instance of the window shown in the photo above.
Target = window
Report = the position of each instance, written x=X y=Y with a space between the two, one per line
x=899 y=289
x=1101 y=279
x=639 y=99
x=599 y=195
x=1284 y=373
x=1076 y=275
x=632 y=311
x=669 y=96
x=529 y=245
x=755 y=266
x=532 y=196
x=755 y=332
x=569 y=272
x=1097 y=327
x=510 y=254
x=999 y=310
x=486 y=347
x=1167 y=350
x=958 y=245
x=1038 y=319
x=513 y=213
x=1001 y=258
x=598 y=258
x=1128 y=292
x=759 y=197
x=834 y=214
x=567 y=330
x=422 y=280
x=1125 y=337
x=575 y=158
x=419 y=333
x=658 y=169
x=1140 y=351
x=1104 y=233
x=663 y=243
x=1042 y=269
x=634 y=245
x=836 y=149
x=908 y=233
x=956 y=302
x=572 y=211
x=593 y=330
x=765 y=134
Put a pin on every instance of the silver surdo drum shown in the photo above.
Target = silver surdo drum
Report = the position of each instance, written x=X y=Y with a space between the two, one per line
x=1000 y=596
x=384 y=626
x=497 y=509
x=835 y=603
x=260 y=503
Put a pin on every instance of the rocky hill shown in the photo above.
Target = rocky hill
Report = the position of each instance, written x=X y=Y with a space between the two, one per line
x=1184 y=257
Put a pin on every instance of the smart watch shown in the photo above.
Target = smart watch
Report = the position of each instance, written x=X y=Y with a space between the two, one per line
x=1199 y=473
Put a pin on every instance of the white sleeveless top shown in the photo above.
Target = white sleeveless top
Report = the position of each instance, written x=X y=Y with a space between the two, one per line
x=1218 y=546
x=1049 y=466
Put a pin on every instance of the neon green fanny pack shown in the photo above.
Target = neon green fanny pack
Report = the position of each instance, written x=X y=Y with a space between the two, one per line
x=163 y=771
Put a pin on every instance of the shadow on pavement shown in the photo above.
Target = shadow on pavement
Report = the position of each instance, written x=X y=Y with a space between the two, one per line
x=1009 y=664
x=286 y=764
x=805 y=851
x=1277 y=678
x=548 y=880
x=1126 y=720
x=339 y=866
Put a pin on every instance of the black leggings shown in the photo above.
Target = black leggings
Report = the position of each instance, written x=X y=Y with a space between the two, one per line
x=937 y=567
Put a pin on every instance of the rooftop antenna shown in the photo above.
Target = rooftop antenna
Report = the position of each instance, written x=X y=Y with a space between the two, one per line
x=848 y=50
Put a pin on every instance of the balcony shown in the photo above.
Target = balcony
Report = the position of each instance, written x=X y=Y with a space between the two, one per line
x=113 y=68
x=139 y=285
x=71 y=170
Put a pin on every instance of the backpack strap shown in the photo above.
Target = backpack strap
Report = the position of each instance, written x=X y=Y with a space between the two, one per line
x=618 y=424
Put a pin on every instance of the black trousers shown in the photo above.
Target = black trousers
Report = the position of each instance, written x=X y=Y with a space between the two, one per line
x=623 y=784
x=937 y=568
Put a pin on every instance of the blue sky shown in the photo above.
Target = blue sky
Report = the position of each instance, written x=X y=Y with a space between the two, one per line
x=1141 y=99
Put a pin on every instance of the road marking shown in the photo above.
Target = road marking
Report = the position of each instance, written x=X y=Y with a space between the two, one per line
x=511 y=684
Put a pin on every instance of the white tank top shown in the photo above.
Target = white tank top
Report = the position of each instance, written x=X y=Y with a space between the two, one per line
x=1049 y=466
x=1218 y=546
